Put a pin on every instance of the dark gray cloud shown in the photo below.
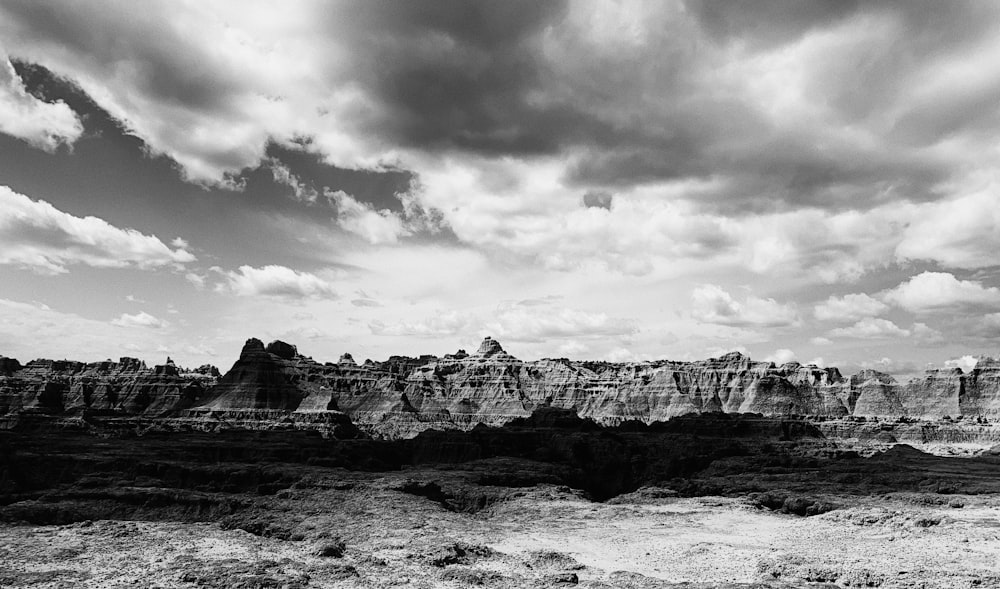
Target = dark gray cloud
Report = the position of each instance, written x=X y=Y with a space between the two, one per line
x=111 y=174
x=378 y=189
x=654 y=99
x=137 y=36
x=598 y=199
x=768 y=23
x=457 y=75
x=483 y=78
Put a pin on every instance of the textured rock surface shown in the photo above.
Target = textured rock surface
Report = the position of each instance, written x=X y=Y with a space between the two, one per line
x=126 y=387
x=402 y=396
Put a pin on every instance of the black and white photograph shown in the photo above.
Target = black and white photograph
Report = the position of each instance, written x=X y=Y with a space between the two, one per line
x=681 y=294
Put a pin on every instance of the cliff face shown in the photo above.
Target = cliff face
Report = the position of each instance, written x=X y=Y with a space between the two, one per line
x=402 y=396
x=126 y=387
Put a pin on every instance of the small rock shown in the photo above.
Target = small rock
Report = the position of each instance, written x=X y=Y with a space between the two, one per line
x=330 y=549
x=562 y=579
x=458 y=553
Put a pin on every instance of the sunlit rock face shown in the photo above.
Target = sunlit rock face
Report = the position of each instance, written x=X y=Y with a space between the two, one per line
x=403 y=396
x=262 y=378
x=126 y=387
x=980 y=394
x=872 y=393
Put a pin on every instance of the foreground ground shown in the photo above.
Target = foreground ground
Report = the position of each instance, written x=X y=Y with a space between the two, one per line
x=521 y=507
x=344 y=532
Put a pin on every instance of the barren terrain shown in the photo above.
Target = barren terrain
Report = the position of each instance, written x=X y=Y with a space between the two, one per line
x=545 y=503
x=542 y=536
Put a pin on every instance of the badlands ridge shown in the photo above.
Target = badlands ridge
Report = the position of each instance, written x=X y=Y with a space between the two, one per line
x=402 y=396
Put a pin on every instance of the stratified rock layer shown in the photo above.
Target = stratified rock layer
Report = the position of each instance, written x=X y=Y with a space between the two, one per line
x=126 y=387
x=402 y=396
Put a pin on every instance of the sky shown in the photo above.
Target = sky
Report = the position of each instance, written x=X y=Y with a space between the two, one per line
x=809 y=181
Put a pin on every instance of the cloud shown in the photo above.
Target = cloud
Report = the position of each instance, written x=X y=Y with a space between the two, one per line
x=361 y=219
x=365 y=303
x=781 y=356
x=45 y=125
x=871 y=328
x=140 y=319
x=651 y=146
x=198 y=280
x=275 y=281
x=966 y=363
x=533 y=323
x=926 y=335
x=35 y=330
x=718 y=139
x=849 y=307
x=598 y=199
x=898 y=368
x=962 y=232
x=941 y=291
x=572 y=349
x=283 y=175
x=515 y=322
x=820 y=341
x=442 y=324
x=200 y=350
x=712 y=304
x=988 y=326
x=638 y=93
x=36 y=235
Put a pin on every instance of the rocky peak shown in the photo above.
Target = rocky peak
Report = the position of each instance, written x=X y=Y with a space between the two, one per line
x=869 y=374
x=9 y=365
x=489 y=347
x=252 y=347
x=282 y=350
x=168 y=369
x=207 y=370
x=984 y=363
x=348 y=359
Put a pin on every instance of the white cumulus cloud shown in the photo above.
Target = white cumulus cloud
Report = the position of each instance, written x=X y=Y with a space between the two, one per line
x=442 y=324
x=941 y=291
x=849 y=307
x=712 y=304
x=45 y=125
x=781 y=356
x=275 y=281
x=966 y=363
x=36 y=235
x=361 y=219
x=959 y=233
x=871 y=328
x=140 y=319
x=527 y=323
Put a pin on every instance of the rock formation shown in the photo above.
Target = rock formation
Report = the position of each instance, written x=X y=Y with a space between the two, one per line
x=126 y=387
x=402 y=396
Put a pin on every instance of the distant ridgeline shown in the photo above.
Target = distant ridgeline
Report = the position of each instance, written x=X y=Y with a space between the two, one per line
x=402 y=396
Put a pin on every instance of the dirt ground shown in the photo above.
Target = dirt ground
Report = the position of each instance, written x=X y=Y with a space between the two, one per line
x=357 y=530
